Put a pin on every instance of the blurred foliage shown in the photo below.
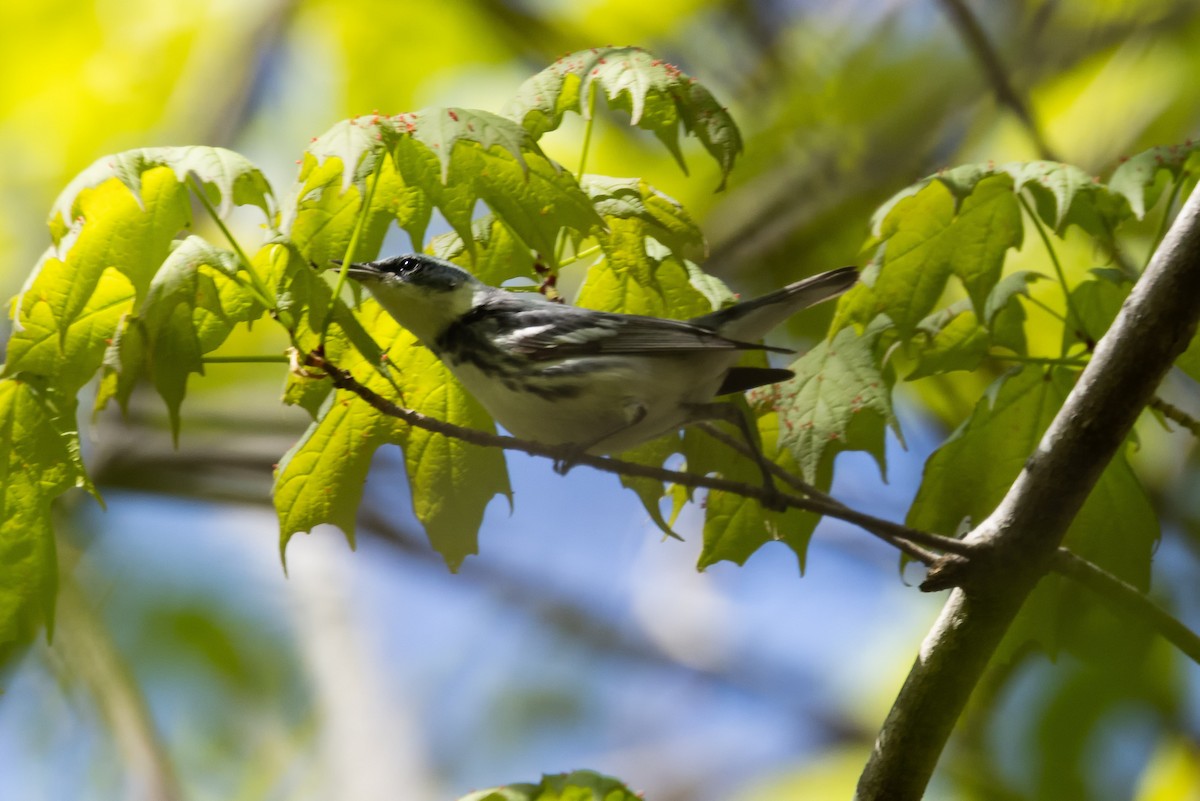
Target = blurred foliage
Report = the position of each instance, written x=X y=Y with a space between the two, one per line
x=840 y=105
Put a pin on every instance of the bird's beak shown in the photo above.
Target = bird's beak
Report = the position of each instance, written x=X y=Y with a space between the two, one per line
x=359 y=270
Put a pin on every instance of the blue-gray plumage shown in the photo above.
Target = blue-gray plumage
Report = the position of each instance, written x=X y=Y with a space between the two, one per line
x=560 y=374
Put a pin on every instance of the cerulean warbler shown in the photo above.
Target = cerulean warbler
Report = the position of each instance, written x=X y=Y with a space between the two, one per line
x=563 y=375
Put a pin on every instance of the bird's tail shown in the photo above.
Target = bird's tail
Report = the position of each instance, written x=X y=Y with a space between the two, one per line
x=752 y=319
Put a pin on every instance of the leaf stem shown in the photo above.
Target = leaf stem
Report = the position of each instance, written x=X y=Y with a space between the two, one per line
x=1072 y=312
x=561 y=244
x=583 y=254
x=1045 y=360
x=359 y=225
x=1165 y=222
x=1052 y=312
x=257 y=288
x=587 y=130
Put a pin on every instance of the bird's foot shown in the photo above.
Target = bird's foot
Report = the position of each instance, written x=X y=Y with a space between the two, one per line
x=568 y=459
x=774 y=501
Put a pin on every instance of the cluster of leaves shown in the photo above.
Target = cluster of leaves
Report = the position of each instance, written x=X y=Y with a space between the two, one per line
x=966 y=223
x=126 y=292
x=579 y=785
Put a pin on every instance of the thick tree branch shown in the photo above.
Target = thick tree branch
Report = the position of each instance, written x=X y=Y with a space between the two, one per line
x=1020 y=540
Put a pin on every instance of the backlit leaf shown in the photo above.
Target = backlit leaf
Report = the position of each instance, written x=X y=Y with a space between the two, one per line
x=65 y=359
x=840 y=399
x=927 y=237
x=113 y=228
x=957 y=343
x=455 y=157
x=497 y=255
x=321 y=216
x=663 y=219
x=658 y=96
x=735 y=527
x=1063 y=193
x=36 y=465
x=190 y=308
x=1136 y=179
x=320 y=479
x=648 y=243
x=229 y=175
x=579 y=785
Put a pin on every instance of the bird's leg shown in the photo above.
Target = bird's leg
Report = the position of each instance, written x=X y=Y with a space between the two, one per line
x=730 y=413
x=637 y=414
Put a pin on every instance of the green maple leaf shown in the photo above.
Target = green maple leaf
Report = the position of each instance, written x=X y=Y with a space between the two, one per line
x=496 y=256
x=579 y=785
x=658 y=96
x=735 y=526
x=1116 y=527
x=927 y=237
x=39 y=460
x=452 y=158
x=115 y=228
x=839 y=399
x=1095 y=304
x=321 y=215
x=320 y=480
x=1063 y=194
x=190 y=308
x=663 y=219
x=67 y=358
x=1136 y=179
x=114 y=225
x=648 y=242
x=954 y=341
x=227 y=175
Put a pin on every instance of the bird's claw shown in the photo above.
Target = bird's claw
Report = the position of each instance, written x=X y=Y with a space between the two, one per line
x=774 y=501
x=564 y=463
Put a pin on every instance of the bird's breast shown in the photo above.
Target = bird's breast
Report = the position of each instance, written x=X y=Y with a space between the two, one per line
x=614 y=401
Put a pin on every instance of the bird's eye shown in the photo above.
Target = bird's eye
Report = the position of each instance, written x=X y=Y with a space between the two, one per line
x=402 y=266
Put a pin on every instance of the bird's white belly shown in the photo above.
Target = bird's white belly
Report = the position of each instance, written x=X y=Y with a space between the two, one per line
x=628 y=402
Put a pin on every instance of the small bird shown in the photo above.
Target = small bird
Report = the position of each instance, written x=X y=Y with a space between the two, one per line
x=598 y=381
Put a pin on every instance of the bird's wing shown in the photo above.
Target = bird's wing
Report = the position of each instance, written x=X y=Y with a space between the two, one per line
x=554 y=335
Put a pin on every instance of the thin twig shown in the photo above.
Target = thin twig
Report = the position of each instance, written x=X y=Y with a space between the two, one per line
x=887 y=534
x=1073 y=316
x=1176 y=415
x=885 y=529
x=1121 y=595
x=1129 y=598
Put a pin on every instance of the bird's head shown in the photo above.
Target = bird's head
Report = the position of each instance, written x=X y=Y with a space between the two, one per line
x=424 y=294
